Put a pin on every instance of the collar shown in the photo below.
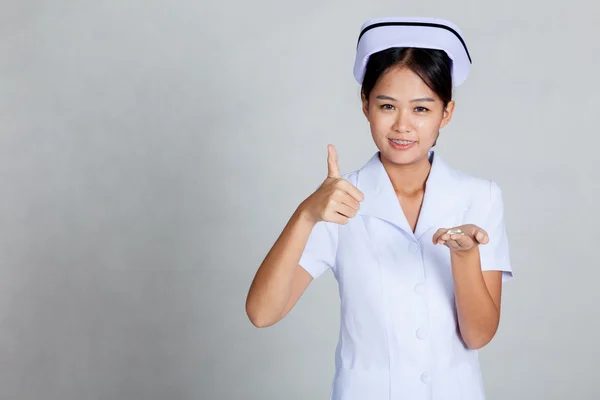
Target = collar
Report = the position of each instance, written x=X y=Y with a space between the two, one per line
x=443 y=195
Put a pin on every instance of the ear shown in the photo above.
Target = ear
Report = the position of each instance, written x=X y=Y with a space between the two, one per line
x=365 y=105
x=447 y=116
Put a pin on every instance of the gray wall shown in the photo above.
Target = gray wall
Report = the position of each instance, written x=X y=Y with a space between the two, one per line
x=152 y=151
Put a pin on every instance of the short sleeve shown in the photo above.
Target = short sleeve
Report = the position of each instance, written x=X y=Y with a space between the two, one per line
x=320 y=251
x=495 y=255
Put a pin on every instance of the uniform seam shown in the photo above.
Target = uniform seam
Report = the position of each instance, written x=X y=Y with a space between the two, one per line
x=387 y=314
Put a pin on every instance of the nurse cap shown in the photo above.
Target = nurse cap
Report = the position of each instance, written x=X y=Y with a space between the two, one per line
x=430 y=33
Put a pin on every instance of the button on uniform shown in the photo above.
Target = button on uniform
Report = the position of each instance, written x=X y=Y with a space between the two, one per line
x=421 y=333
x=425 y=377
x=413 y=247
x=419 y=288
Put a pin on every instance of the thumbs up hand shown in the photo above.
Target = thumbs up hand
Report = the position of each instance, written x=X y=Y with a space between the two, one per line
x=336 y=200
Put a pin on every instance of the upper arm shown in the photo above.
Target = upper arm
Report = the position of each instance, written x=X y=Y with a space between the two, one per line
x=299 y=284
x=493 y=282
x=318 y=256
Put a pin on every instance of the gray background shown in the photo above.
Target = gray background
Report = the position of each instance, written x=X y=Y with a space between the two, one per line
x=152 y=151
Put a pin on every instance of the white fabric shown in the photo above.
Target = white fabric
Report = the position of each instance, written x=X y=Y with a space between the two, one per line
x=385 y=37
x=398 y=336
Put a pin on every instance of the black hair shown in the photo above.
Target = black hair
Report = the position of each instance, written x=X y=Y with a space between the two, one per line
x=433 y=66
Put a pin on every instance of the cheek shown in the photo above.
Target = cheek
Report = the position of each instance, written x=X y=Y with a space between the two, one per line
x=428 y=124
x=380 y=129
x=380 y=121
x=376 y=129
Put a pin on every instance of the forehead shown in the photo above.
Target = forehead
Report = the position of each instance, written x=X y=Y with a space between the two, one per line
x=401 y=81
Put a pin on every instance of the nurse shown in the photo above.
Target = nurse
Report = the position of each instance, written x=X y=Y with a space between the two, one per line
x=419 y=250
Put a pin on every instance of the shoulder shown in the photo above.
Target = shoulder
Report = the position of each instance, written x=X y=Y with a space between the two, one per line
x=481 y=188
x=483 y=196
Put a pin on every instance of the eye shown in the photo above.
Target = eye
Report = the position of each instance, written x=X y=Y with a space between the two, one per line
x=421 y=109
x=387 y=107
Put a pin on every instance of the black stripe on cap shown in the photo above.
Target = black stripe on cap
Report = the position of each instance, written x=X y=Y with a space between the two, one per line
x=427 y=24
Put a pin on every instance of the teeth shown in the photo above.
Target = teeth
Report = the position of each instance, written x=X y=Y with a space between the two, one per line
x=401 y=141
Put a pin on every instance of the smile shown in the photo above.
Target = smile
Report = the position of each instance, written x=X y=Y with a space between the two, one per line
x=402 y=141
x=402 y=144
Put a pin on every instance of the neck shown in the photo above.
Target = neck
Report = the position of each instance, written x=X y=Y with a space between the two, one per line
x=408 y=180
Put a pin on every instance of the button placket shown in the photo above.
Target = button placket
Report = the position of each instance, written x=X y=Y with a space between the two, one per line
x=421 y=330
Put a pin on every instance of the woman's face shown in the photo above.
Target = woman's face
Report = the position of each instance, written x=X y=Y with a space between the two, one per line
x=405 y=116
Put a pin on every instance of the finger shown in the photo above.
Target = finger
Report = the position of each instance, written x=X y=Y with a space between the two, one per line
x=453 y=245
x=437 y=235
x=351 y=190
x=332 y=214
x=348 y=200
x=482 y=236
x=457 y=236
x=333 y=170
x=464 y=242
x=337 y=218
x=345 y=210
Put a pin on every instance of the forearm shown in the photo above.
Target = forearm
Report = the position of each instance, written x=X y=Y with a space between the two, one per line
x=478 y=315
x=272 y=285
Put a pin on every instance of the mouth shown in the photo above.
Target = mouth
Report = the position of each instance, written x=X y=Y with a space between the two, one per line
x=402 y=144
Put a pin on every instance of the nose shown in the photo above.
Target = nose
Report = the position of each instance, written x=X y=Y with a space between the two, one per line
x=402 y=122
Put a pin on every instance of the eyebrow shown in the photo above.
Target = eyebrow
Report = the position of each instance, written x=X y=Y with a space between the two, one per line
x=384 y=97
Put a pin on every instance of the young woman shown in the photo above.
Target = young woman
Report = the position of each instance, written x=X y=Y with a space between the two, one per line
x=419 y=250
